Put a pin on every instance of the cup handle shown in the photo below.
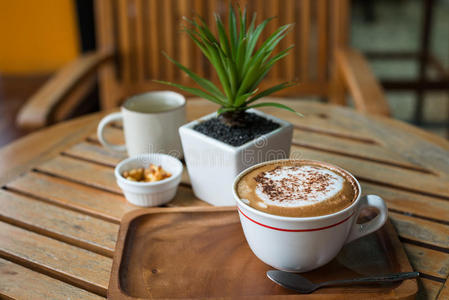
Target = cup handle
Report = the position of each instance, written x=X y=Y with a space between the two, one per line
x=359 y=230
x=100 y=131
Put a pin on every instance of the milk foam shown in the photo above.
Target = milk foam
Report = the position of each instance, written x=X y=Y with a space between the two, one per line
x=296 y=186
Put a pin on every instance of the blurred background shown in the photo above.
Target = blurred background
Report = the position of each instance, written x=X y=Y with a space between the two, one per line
x=405 y=41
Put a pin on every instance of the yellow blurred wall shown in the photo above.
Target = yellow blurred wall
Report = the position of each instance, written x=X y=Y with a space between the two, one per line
x=37 y=36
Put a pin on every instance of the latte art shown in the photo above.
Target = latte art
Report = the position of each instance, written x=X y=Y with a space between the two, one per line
x=293 y=186
x=297 y=188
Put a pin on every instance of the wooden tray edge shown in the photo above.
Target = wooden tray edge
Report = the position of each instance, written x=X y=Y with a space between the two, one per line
x=406 y=290
x=410 y=286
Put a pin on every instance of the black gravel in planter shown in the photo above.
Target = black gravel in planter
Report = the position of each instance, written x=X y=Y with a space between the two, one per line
x=254 y=127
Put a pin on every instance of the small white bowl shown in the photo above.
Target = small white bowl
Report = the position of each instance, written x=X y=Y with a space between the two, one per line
x=150 y=193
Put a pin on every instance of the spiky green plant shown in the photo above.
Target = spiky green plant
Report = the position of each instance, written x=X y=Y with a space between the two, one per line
x=240 y=66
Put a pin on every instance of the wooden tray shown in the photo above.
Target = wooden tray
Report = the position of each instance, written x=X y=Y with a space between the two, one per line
x=201 y=253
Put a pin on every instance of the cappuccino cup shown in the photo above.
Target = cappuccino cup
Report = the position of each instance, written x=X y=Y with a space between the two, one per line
x=302 y=212
x=150 y=123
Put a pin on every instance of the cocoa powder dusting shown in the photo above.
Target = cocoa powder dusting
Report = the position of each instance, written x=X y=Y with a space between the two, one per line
x=297 y=187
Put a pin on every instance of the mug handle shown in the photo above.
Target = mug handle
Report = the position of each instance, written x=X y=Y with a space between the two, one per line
x=359 y=230
x=117 y=116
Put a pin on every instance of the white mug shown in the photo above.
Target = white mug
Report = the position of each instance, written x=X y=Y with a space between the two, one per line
x=150 y=122
x=302 y=244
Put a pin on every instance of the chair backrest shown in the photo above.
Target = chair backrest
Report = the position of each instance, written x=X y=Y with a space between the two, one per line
x=137 y=31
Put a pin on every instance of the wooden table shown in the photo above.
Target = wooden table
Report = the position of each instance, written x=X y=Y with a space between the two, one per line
x=60 y=207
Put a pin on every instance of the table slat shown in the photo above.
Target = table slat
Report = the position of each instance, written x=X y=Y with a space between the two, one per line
x=331 y=121
x=413 y=144
x=96 y=153
x=444 y=293
x=73 y=227
x=72 y=195
x=103 y=177
x=374 y=172
x=18 y=282
x=351 y=148
x=421 y=231
x=88 y=173
x=419 y=205
x=185 y=197
x=113 y=135
x=428 y=261
x=428 y=289
x=75 y=265
x=24 y=154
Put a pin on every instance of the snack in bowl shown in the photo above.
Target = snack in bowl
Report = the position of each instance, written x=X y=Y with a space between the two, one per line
x=151 y=174
x=149 y=179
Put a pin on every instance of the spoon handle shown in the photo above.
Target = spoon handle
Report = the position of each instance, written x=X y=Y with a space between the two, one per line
x=373 y=279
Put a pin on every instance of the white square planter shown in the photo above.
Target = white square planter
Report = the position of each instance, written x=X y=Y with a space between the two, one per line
x=213 y=165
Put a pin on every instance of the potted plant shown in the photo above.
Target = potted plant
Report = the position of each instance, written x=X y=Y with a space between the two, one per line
x=219 y=146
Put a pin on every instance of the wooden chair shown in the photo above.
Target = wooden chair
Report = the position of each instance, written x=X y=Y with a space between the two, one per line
x=131 y=34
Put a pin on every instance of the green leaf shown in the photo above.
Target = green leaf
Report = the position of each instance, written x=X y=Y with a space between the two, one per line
x=252 y=41
x=240 y=100
x=225 y=109
x=231 y=72
x=240 y=58
x=224 y=41
x=261 y=76
x=268 y=65
x=204 y=83
x=194 y=91
x=242 y=20
x=211 y=52
x=274 y=39
x=278 y=34
x=221 y=71
x=280 y=55
x=252 y=75
x=212 y=55
x=232 y=30
x=270 y=91
x=251 y=25
x=274 y=104
x=202 y=30
x=207 y=34
x=255 y=36
x=198 y=43
x=261 y=56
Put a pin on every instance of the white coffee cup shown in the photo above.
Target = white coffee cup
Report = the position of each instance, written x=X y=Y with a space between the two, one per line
x=150 y=121
x=302 y=244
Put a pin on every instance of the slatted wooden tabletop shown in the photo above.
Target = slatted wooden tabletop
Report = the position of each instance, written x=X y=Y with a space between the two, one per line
x=60 y=207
